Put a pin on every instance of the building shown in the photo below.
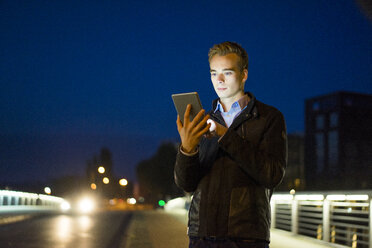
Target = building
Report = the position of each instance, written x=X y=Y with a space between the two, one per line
x=295 y=171
x=338 y=141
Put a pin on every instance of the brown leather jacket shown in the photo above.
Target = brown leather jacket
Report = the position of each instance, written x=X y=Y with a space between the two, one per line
x=233 y=178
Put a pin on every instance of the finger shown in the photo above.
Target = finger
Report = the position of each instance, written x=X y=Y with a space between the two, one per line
x=197 y=118
x=179 y=123
x=202 y=123
x=204 y=130
x=186 y=117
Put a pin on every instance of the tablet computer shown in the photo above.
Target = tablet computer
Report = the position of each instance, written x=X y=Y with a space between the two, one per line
x=182 y=100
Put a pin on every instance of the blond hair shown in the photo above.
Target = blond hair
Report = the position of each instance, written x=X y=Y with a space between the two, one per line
x=228 y=47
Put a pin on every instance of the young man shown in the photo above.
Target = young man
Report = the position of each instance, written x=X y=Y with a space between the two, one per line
x=233 y=161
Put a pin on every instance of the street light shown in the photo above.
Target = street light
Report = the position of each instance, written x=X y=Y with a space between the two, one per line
x=93 y=186
x=123 y=182
x=47 y=190
x=101 y=169
x=105 y=180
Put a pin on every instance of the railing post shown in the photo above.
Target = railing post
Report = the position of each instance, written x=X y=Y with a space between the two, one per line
x=294 y=216
x=326 y=220
x=370 y=223
x=273 y=213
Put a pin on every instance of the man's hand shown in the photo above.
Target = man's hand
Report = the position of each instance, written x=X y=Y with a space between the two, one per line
x=216 y=129
x=191 y=132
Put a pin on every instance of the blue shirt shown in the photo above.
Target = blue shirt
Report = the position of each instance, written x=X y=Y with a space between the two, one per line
x=235 y=110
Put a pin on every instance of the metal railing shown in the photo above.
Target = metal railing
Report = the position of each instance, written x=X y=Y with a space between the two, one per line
x=15 y=201
x=334 y=217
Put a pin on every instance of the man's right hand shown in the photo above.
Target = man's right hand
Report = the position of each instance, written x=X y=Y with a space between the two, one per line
x=191 y=132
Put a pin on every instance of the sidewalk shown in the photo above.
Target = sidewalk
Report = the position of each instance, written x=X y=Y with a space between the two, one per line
x=160 y=229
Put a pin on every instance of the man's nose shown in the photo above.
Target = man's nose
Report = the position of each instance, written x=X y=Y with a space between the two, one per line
x=221 y=78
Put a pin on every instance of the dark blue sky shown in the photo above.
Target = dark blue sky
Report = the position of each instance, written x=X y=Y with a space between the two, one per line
x=79 y=75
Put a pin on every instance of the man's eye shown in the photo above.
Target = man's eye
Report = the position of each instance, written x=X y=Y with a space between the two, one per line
x=213 y=74
x=228 y=73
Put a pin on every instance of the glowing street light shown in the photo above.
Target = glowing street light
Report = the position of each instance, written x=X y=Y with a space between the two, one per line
x=47 y=190
x=105 y=180
x=101 y=169
x=131 y=201
x=123 y=182
x=93 y=186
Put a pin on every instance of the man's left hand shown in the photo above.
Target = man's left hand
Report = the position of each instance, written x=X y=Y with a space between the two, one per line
x=216 y=128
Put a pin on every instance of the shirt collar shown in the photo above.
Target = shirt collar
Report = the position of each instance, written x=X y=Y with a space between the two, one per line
x=241 y=103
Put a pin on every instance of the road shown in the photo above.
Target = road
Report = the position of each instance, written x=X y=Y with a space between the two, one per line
x=117 y=229
x=101 y=230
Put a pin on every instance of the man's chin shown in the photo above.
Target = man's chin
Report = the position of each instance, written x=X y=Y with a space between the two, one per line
x=221 y=94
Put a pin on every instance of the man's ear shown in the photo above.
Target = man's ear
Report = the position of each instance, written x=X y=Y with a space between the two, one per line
x=244 y=78
x=245 y=75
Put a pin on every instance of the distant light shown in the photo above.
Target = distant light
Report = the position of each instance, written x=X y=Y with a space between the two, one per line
x=86 y=205
x=123 y=182
x=131 y=201
x=297 y=182
x=101 y=169
x=161 y=203
x=65 y=206
x=105 y=180
x=292 y=192
x=355 y=241
x=93 y=186
x=47 y=190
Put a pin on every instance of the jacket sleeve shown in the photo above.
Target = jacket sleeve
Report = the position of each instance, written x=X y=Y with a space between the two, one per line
x=187 y=171
x=266 y=161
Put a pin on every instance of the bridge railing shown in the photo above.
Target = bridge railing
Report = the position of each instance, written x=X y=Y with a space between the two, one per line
x=13 y=201
x=334 y=217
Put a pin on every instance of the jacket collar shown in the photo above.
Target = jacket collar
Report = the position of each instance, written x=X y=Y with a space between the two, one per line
x=250 y=105
x=249 y=111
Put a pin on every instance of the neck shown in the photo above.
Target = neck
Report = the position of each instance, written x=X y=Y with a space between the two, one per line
x=228 y=102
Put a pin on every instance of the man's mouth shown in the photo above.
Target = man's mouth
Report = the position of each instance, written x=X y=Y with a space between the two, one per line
x=221 y=89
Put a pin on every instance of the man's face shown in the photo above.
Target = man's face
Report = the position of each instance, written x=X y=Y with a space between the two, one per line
x=228 y=81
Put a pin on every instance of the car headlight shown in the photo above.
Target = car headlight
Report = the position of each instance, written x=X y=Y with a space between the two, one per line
x=65 y=206
x=86 y=205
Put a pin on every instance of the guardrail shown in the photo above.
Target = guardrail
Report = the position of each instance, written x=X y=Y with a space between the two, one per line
x=338 y=218
x=15 y=201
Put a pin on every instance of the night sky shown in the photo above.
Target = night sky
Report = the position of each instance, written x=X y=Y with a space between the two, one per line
x=76 y=76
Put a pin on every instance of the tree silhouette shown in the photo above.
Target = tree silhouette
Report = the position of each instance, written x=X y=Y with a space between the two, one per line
x=155 y=175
